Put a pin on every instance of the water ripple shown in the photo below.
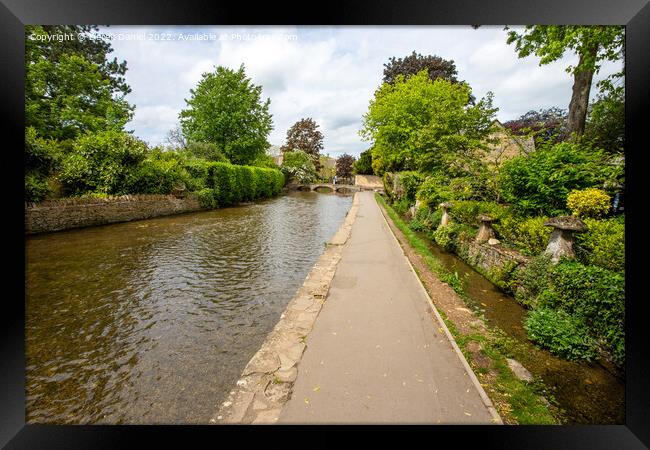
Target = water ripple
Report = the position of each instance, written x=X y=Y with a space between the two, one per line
x=153 y=321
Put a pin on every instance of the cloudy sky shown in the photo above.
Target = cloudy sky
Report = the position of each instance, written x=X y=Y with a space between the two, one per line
x=326 y=73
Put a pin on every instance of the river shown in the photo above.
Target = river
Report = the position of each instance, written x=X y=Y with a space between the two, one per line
x=153 y=321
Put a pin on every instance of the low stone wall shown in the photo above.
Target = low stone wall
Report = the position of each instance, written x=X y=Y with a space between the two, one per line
x=63 y=214
x=490 y=257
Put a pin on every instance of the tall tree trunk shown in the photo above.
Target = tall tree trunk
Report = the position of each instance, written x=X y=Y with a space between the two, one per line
x=580 y=98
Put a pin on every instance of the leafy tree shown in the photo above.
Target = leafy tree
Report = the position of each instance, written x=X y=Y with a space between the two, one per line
x=420 y=124
x=175 y=139
x=436 y=67
x=205 y=150
x=298 y=166
x=605 y=126
x=593 y=44
x=70 y=85
x=544 y=124
x=226 y=110
x=304 y=135
x=415 y=62
x=42 y=159
x=363 y=166
x=344 y=164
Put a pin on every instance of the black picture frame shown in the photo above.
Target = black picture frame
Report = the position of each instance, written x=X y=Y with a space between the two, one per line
x=14 y=14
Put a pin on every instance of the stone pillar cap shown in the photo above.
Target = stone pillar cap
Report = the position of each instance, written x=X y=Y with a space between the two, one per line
x=566 y=223
x=445 y=205
x=486 y=218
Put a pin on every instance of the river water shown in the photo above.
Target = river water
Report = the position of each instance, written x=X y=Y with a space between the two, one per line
x=153 y=321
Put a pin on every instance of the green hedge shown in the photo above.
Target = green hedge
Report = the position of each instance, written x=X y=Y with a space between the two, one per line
x=230 y=184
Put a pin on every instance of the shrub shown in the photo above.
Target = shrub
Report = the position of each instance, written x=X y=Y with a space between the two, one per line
x=603 y=244
x=206 y=198
x=597 y=296
x=467 y=211
x=446 y=236
x=539 y=183
x=561 y=333
x=199 y=174
x=157 y=174
x=36 y=188
x=102 y=162
x=409 y=182
x=205 y=150
x=42 y=158
x=533 y=280
x=529 y=235
x=591 y=202
x=298 y=165
x=401 y=206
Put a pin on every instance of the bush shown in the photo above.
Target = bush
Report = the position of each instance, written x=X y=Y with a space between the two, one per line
x=42 y=158
x=538 y=183
x=467 y=211
x=205 y=150
x=102 y=162
x=232 y=184
x=206 y=198
x=561 y=333
x=597 y=296
x=529 y=235
x=298 y=166
x=401 y=206
x=533 y=280
x=591 y=202
x=446 y=236
x=409 y=182
x=158 y=174
x=36 y=188
x=603 y=244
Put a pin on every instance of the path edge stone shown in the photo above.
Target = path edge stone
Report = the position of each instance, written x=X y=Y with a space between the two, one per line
x=267 y=380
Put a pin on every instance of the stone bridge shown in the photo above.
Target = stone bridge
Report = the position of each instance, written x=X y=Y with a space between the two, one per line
x=328 y=187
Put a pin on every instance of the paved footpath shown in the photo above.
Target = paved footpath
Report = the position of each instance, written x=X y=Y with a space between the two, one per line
x=376 y=353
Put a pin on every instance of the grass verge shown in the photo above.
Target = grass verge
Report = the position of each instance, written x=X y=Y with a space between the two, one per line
x=517 y=401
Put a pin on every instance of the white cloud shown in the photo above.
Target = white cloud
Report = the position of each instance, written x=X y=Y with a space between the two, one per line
x=330 y=73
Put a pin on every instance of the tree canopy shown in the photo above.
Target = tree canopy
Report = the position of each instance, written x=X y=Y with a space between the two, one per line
x=304 y=135
x=226 y=109
x=363 y=166
x=417 y=123
x=415 y=62
x=298 y=166
x=70 y=85
x=344 y=164
x=593 y=45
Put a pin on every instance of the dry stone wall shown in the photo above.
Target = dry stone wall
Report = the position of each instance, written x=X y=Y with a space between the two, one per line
x=56 y=215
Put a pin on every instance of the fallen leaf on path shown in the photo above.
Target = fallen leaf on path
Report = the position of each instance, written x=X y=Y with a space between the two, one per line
x=316 y=389
x=467 y=414
x=306 y=400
